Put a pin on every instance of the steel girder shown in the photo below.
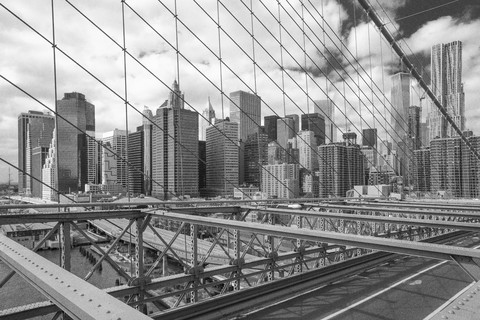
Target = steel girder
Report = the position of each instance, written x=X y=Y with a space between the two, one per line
x=374 y=218
x=77 y=298
x=440 y=252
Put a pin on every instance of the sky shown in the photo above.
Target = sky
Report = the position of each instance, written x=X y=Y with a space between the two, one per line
x=91 y=61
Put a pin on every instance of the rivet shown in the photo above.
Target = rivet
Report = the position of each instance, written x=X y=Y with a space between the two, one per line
x=90 y=300
x=108 y=311
x=99 y=305
x=456 y=307
x=451 y=312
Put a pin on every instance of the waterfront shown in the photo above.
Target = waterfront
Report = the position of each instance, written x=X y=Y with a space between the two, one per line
x=17 y=292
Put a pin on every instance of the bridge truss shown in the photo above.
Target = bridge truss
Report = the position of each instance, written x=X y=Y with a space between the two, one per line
x=267 y=251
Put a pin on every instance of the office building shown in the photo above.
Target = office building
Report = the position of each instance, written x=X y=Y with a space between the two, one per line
x=307 y=149
x=245 y=109
x=270 y=124
x=255 y=155
x=280 y=180
x=326 y=109
x=296 y=122
x=447 y=86
x=175 y=149
x=341 y=166
x=117 y=139
x=202 y=166
x=72 y=142
x=147 y=121
x=400 y=100
x=285 y=131
x=454 y=168
x=222 y=158
x=135 y=155
x=369 y=137
x=35 y=131
x=315 y=122
x=421 y=170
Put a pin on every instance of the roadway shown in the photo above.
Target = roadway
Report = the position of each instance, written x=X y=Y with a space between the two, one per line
x=405 y=288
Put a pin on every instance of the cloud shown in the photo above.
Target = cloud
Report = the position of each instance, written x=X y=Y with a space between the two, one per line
x=26 y=58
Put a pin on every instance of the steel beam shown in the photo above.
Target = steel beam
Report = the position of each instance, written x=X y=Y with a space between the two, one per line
x=77 y=298
x=13 y=218
x=368 y=207
x=440 y=252
x=459 y=206
x=371 y=218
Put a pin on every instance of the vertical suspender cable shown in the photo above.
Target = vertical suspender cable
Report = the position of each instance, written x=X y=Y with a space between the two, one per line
x=125 y=155
x=57 y=166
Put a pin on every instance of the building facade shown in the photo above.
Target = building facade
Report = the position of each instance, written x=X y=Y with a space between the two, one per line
x=280 y=180
x=175 y=149
x=256 y=156
x=326 y=108
x=341 y=166
x=222 y=158
x=245 y=109
x=447 y=86
x=117 y=139
x=136 y=179
x=35 y=131
x=72 y=144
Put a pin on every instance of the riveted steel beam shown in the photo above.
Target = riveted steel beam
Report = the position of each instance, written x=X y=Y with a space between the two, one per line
x=77 y=298
x=440 y=252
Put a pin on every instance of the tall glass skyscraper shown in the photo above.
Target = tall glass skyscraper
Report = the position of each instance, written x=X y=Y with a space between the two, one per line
x=245 y=109
x=446 y=84
x=175 y=148
x=72 y=144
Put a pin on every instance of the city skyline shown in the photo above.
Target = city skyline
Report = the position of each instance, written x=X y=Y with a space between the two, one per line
x=111 y=110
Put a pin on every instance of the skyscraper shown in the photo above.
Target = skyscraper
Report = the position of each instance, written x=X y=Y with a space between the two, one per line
x=147 y=150
x=421 y=169
x=446 y=84
x=175 y=148
x=117 y=139
x=270 y=123
x=296 y=122
x=341 y=166
x=400 y=99
x=256 y=155
x=307 y=148
x=72 y=144
x=281 y=180
x=369 y=137
x=222 y=158
x=135 y=158
x=327 y=110
x=245 y=109
x=35 y=130
x=315 y=122
x=285 y=131
x=207 y=119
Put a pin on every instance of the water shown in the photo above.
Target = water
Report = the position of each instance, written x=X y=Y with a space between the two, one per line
x=17 y=291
